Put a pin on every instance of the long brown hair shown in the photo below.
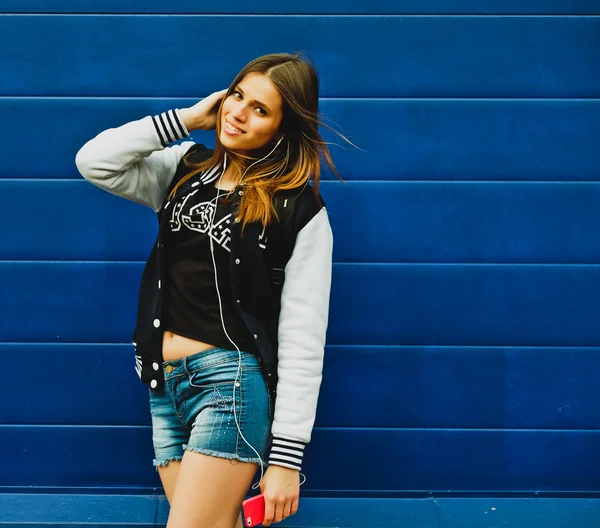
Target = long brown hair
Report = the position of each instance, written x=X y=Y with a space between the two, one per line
x=298 y=159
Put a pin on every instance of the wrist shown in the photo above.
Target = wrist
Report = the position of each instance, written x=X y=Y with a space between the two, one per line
x=284 y=469
x=188 y=119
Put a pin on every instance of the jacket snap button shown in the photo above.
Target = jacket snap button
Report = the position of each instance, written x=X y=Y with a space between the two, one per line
x=156 y=323
x=153 y=384
x=237 y=220
x=255 y=336
x=241 y=193
x=155 y=366
x=237 y=261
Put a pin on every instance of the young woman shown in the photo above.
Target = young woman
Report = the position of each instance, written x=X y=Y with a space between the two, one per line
x=233 y=302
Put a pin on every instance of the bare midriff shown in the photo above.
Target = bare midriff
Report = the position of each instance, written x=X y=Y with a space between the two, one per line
x=177 y=347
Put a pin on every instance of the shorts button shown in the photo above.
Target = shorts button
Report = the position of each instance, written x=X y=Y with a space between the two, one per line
x=237 y=383
x=169 y=369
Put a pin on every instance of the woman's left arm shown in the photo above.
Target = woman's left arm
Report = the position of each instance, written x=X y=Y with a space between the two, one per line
x=302 y=329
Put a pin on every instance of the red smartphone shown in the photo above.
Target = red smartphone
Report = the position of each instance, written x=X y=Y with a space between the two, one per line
x=253 y=510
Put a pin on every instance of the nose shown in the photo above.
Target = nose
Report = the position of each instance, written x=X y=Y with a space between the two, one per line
x=238 y=112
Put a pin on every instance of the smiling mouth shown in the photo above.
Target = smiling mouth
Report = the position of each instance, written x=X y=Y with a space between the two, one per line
x=231 y=129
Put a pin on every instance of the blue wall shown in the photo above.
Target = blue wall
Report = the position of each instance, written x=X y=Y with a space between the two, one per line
x=464 y=344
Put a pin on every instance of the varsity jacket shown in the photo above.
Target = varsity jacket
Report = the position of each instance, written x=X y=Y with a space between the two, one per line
x=280 y=275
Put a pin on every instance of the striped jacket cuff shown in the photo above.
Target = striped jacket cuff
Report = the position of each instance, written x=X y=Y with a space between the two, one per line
x=287 y=453
x=169 y=127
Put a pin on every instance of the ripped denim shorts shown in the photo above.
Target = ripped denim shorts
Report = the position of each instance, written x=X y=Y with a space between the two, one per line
x=200 y=402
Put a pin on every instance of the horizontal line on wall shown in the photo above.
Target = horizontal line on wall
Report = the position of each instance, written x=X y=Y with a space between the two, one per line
x=44 y=261
x=313 y=493
x=82 y=181
x=462 y=429
x=572 y=348
x=70 y=426
x=84 y=490
x=378 y=429
x=429 y=346
x=451 y=347
x=301 y=15
x=61 y=344
x=336 y=263
x=475 y=264
x=370 y=98
x=433 y=494
x=341 y=263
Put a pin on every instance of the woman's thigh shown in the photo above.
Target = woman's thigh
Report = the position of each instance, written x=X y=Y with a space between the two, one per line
x=209 y=491
x=168 y=476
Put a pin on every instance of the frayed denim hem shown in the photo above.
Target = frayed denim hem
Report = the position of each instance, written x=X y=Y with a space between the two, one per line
x=220 y=454
x=165 y=461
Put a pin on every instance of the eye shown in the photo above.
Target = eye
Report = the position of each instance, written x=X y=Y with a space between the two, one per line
x=260 y=111
x=237 y=95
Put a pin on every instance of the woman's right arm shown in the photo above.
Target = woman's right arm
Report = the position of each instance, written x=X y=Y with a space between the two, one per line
x=134 y=161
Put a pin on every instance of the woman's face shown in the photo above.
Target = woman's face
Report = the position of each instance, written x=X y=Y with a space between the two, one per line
x=251 y=115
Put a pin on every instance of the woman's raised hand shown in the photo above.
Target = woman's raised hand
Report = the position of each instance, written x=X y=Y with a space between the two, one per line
x=203 y=115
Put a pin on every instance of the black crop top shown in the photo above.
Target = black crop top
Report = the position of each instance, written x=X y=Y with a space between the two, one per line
x=191 y=306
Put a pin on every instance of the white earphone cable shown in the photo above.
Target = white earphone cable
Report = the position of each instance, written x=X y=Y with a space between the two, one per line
x=236 y=383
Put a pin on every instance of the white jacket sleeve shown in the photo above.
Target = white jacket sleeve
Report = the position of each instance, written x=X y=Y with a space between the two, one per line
x=133 y=161
x=302 y=327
